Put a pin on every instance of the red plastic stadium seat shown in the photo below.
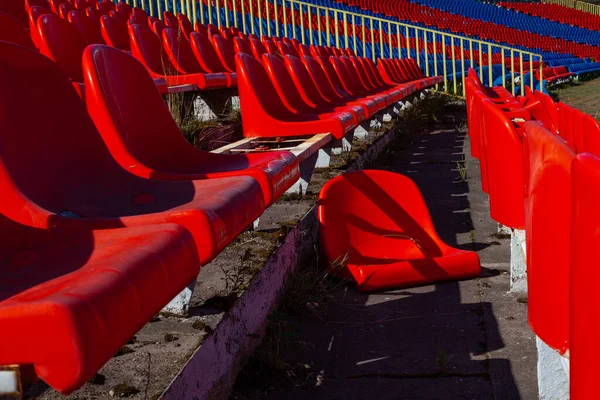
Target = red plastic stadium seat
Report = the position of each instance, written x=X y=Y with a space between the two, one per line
x=158 y=27
x=548 y=171
x=12 y=30
x=104 y=6
x=182 y=57
x=185 y=25
x=312 y=96
x=86 y=187
x=54 y=45
x=63 y=10
x=16 y=8
x=170 y=20
x=34 y=13
x=114 y=32
x=375 y=224
x=584 y=302
x=126 y=126
x=147 y=48
x=290 y=96
x=207 y=57
x=85 y=293
x=89 y=30
x=225 y=51
x=266 y=116
x=496 y=94
x=504 y=164
x=329 y=92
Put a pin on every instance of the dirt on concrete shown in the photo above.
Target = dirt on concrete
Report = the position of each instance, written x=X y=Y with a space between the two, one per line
x=452 y=340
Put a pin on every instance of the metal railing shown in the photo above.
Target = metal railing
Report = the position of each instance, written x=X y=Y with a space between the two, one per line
x=437 y=53
x=577 y=5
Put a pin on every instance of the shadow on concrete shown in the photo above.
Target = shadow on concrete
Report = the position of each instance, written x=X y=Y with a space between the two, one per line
x=428 y=342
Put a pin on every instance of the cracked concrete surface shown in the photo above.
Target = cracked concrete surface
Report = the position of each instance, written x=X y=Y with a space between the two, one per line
x=452 y=340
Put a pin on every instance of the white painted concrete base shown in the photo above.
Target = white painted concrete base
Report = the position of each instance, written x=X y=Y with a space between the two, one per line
x=181 y=303
x=504 y=230
x=9 y=383
x=202 y=110
x=553 y=373
x=518 y=262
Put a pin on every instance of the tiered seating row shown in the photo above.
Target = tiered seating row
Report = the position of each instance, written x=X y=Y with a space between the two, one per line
x=471 y=27
x=540 y=167
x=556 y=12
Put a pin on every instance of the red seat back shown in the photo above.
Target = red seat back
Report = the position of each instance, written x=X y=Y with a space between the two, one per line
x=135 y=133
x=242 y=46
x=34 y=13
x=15 y=8
x=147 y=48
x=283 y=83
x=585 y=242
x=258 y=49
x=504 y=160
x=205 y=53
x=548 y=226
x=304 y=82
x=170 y=20
x=86 y=27
x=63 y=10
x=12 y=30
x=158 y=27
x=180 y=53
x=61 y=134
x=66 y=53
x=321 y=79
x=114 y=32
x=225 y=51
x=185 y=25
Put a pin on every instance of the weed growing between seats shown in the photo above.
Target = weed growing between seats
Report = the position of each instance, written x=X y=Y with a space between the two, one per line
x=203 y=134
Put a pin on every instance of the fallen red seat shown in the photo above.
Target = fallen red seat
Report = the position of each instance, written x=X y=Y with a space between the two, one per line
x=86 y=187
x=503 y=150
x=12 y=30
x=584 y=300
x=85 y=293
x=126 y=127
x=548 y=160
x=375 y=229
x=147 y=48
x=266 y=116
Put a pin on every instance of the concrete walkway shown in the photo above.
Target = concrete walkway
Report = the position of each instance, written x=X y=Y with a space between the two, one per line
x=455 y=340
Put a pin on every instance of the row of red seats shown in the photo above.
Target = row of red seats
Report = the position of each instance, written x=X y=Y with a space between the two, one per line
x=94 y=246
x=541 y=168
x=417 y=13
x=556 y=12
x=306 y=95
x=555 y=74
